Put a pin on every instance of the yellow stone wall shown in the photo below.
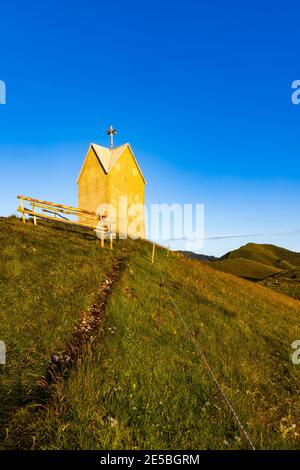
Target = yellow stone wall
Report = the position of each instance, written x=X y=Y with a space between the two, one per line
x=124 y=180
x=92 y=186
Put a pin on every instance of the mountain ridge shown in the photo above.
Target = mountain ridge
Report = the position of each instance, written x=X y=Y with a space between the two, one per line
x=273 y=266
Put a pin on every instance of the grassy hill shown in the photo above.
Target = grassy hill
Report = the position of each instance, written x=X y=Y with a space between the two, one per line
x=48 y=275
x=270 y=255
x=245 y=268
x=286 y=282
x=142 y=382
x=258 y=262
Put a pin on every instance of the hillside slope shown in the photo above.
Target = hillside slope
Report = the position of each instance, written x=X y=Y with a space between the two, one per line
x=258 y=262
x=269 y=255
x=143 y=383
x=246 y=268
x=286 y=282
x=48 y=275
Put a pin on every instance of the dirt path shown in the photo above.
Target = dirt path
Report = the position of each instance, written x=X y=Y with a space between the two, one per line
x=87 y=328
x=84 y=333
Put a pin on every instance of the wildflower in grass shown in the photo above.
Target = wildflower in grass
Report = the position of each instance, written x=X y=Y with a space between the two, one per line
x=112 y=421
x=287 y=427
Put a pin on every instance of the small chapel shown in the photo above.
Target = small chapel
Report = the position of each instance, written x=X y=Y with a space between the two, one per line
x=112 y=177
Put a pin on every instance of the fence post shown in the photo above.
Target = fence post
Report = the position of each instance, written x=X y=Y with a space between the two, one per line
x=102 y=240
x=158 y=316
x=22 y=207
x=153 y=253
x=33 y=210
x=111 y=241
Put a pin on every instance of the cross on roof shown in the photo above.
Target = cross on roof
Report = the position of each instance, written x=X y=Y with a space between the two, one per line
x=111 y=132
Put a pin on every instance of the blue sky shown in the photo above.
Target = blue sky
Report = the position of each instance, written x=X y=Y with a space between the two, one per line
x=200 y=89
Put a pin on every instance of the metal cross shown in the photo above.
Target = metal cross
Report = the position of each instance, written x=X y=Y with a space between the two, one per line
x=111 y=132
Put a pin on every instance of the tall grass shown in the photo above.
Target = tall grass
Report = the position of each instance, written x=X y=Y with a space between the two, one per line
x=144 y=387
x=48 y=275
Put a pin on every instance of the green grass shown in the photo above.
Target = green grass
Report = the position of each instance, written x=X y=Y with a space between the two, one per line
x=276 y=268
x=143 y=386
x=270 y=255
x=286 y=282
x=246 y=268
x=48 y=275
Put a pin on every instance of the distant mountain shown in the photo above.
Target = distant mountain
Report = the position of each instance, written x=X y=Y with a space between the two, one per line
x=278 y=267
x=191 y=254
x=246 y=268
x=270 y=255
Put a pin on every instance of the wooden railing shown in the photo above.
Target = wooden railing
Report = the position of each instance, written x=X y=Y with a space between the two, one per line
x=42 y=210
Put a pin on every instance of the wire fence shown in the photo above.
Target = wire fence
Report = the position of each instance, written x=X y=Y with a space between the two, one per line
x=204 y=360
x=58 y=210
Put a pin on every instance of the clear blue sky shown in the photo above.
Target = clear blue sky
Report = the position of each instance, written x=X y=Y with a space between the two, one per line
x=201 y=90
